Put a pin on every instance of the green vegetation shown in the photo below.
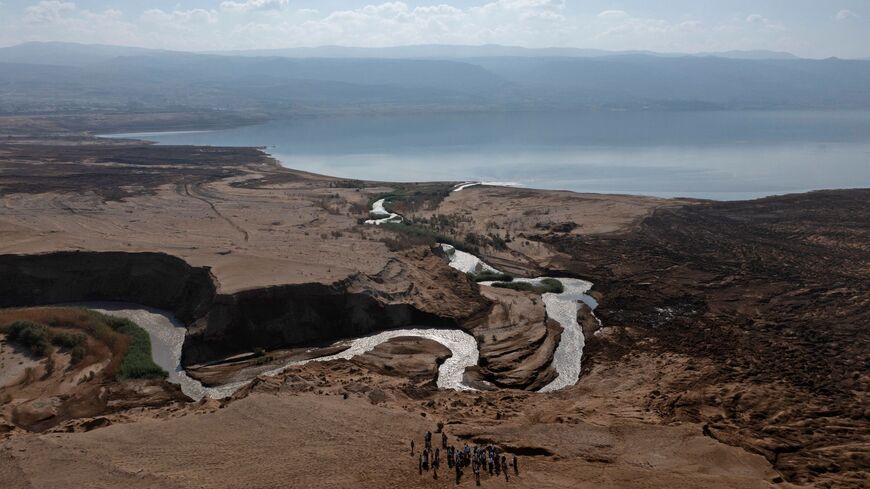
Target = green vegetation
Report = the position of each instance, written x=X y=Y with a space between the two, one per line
x=497 y=242
x=439 y=228
x=34 y=337
x=417 y=235
x=357 y=184
x=74 y=342
x=411 y=198
x=488 y=276
x=406 y=200
x=77 y=354
x=521 y=286
x=68 y=340
x=547 y=285
x=552 y=285
x=137 y=362
x=39 y=329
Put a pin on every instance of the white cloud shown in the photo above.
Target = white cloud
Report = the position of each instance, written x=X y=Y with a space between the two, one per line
x=613 y=15
x=231 y=24
x=179 y=17
x=844 y=15
x=756 y=19
x=617 y=26
x=47 y=11
x=764 y=23
x=253 y=5
x=392 y=23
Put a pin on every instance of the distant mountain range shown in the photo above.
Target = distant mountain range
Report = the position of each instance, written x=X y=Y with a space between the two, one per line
x=61 y=77
x=442 y=51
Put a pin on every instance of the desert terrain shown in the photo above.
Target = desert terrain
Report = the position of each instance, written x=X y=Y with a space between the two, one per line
x=732 y=349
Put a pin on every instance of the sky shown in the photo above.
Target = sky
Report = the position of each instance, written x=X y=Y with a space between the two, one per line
x=810 y=28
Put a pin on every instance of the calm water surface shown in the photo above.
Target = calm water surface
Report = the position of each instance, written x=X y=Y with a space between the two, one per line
x=715 y=155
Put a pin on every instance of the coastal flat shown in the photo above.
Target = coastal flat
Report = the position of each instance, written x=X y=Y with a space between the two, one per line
x=236 y=211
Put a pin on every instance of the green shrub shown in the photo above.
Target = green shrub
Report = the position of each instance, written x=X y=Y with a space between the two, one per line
x=262 y=360
x=497 y=242
x=49 y=366
x=407 y=199
x=521 y=286
x=426 y=235
x=552 y=285
x=68 y=340
x=473 y=239
x=137 y=362
x=490 y=276
x=32 y=336
x=547 y=285
x=77 y=354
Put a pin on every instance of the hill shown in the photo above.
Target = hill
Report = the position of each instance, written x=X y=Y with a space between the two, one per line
x=62 y=78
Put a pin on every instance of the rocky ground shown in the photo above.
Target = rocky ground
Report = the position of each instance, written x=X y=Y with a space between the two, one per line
x=772 y=296
x=343 y=425
x=733 y=353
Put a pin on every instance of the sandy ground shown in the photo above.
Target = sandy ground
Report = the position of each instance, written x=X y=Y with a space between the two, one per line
x=517 y=213
x=249 y=238
x=290 y=227
x=13 y=363
x=266 y=441
x=518 y=209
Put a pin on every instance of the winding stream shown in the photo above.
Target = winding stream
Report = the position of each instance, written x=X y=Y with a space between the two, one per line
x=562 y=307
x=167 y=338
x=167 y=333
x=382 y=215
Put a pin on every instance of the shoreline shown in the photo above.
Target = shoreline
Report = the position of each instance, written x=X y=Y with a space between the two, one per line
x=458 y=180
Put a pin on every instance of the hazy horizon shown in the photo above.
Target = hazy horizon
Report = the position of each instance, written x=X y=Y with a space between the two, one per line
x=804 y=28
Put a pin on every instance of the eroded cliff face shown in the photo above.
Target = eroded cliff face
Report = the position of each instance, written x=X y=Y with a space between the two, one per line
x=151 y=279
x=516 y=340
x=307 y=314
x=415 y=288
x=406 y=293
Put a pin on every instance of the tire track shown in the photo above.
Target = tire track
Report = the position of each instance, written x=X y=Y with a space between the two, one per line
x=216 y=211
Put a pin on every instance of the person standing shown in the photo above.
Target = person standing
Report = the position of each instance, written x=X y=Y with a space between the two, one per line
x=516 y=466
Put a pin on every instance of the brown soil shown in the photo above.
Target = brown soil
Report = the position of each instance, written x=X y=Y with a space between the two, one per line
x=774 y=296
x=320 y=439
x=733 y=353
x=239 y=368
x=514 y=214
x=413 y=358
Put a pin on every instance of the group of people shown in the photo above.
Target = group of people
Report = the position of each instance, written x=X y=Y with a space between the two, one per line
x=488 y=459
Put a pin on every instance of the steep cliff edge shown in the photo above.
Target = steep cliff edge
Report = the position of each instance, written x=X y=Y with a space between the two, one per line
x=152 y=279
x=415 y=289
